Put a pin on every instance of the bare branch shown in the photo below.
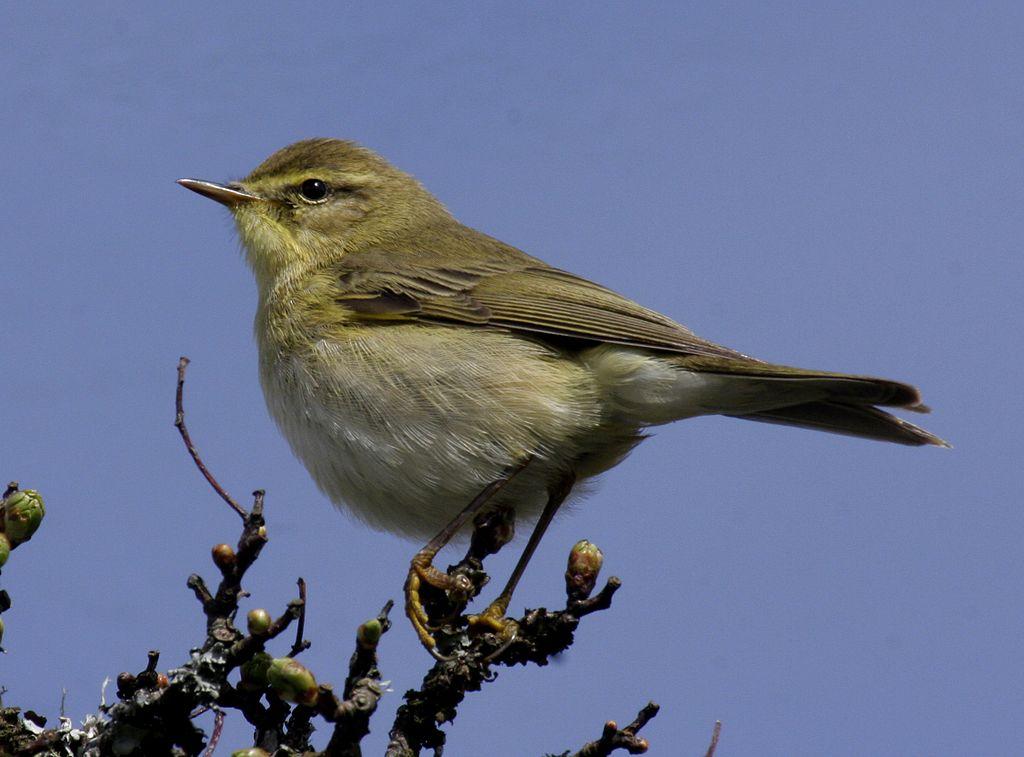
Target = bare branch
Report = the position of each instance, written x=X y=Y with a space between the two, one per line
x=218 y=728
x=715 y=733
x=363 y=690
x=300 y=644
x=613 y=737
x=179 y=423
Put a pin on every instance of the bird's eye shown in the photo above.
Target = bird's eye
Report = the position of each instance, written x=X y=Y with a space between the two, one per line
x=313 y=190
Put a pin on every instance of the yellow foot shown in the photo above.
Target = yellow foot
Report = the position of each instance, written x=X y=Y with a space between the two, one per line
x=493 y=620
x=422 y=571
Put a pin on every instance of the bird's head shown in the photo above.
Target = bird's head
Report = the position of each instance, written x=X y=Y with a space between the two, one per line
x=314 y=201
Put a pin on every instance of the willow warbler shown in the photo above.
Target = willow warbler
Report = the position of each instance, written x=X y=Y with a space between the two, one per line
x=415 y=364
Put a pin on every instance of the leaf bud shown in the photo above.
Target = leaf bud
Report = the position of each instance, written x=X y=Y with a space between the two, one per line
x=258 y=621
x=223 y=556
x=369 y=633
x=126 y=685
x=292 y=681
x=254 y=671
x=585 y=561
x=23 y=512
x=493 y=531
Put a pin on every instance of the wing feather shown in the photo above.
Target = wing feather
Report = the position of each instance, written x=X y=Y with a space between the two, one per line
x=509 y=291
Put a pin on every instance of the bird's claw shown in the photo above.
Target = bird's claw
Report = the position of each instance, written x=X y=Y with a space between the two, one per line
x=422 y=571
x=493 y=620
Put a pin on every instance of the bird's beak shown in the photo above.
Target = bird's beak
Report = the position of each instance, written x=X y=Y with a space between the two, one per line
x=231 y=195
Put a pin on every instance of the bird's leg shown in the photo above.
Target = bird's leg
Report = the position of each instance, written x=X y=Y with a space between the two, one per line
x=422 y=570
x=493 y=617
x=493 y=528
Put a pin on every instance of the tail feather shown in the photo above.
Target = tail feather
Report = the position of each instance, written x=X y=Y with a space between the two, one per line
x=835 y=402
x=859 y=390
x=865 y=421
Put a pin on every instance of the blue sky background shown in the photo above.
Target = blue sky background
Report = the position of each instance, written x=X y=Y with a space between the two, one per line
x=820 y=184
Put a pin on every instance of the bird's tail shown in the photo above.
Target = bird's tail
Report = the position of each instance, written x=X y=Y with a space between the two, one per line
x=853 y=420
x=834 y=402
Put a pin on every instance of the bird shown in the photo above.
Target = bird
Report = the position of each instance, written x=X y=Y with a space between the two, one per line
x=425 y=372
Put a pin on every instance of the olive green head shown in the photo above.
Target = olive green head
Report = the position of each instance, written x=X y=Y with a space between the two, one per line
x=313 y=201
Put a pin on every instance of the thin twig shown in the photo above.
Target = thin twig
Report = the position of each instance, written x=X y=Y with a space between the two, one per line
x=363 y=690
x=714 y=739
x=245 y=647
x=179 y=423
x=612 y=737
x=300 y=644
x=218 y=728
x=600 y=601
x=199 y=588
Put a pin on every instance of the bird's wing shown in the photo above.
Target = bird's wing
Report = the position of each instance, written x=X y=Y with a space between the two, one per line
x=513 y=293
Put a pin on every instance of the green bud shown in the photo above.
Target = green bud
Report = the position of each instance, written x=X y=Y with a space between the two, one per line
x=1 y=630
x=254 y=671
x=5 y=549
x=292 y=681
x=585 y=561
x=23 y=512
x=369 y=633
x=258 y=621
x=253 y=751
